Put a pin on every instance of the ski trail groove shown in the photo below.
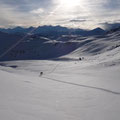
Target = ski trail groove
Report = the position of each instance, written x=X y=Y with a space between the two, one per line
x=85 y=86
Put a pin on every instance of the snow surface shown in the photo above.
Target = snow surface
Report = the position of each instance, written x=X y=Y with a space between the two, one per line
x=67 y=90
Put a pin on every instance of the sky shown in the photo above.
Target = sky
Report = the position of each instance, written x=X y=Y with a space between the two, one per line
x=86 y=14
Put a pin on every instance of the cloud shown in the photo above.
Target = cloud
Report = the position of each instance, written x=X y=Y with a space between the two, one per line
x=38 y=11
x=109 y=26
x=11 y=16
x=112 y=4
x=75 y=20
x=27 y=5
x=24 y=12
x=86 y=14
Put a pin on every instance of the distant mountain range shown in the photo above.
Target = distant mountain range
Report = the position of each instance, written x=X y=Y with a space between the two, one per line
x=53 y=31
x=35 y=46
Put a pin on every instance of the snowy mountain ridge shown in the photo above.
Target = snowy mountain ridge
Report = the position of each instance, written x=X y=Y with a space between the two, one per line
x=53 y=31
x=37 y=47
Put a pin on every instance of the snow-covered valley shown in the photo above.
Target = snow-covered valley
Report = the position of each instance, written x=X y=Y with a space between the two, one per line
x=69 y=88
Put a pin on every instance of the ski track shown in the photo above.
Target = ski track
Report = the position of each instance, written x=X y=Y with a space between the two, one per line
x=85 y=86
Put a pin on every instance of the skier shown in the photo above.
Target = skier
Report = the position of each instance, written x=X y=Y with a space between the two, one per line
x=41 y=73
x=80 y=59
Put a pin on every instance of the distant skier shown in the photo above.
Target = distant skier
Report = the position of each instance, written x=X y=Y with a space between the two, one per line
x=80 y=58
x=41 y=73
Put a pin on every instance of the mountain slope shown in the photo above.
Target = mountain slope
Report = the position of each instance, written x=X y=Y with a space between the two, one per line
x=37 y=47
x=69 y=88
x=7 y=40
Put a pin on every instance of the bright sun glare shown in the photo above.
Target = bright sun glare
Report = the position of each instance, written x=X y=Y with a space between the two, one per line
x=70 y=3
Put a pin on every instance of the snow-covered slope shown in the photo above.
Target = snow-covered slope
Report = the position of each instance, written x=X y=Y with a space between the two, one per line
x=7 y=40
x=37 y=47
x=69 y=89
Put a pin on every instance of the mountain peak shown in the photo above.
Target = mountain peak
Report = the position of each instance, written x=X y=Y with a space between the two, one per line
x=98 y=29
